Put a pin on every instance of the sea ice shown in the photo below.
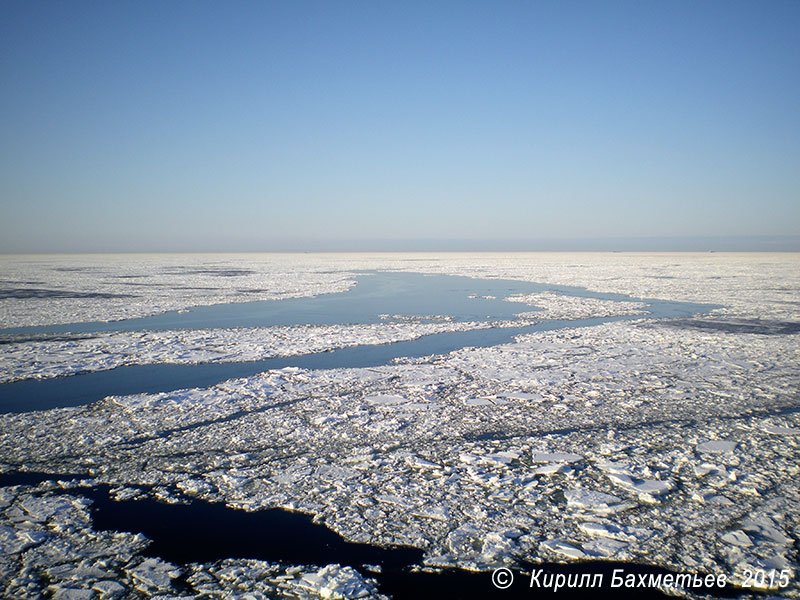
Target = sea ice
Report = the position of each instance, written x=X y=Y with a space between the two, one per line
x=778 y=430
x=555 y=457
x=563 y=548
x=559 y=306
x=590 y=499
x=716 y=447
x=606 y=530
x=335 y=581
x=603 y=547
x=553 y=468
x=737 y=538
x=682 y=409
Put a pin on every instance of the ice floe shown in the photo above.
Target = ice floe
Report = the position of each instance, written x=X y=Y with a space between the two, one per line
x=561 y=307
x=590 y=499
x=563 y=548
x=336 y=582
x=778 y=430
x=716 y=447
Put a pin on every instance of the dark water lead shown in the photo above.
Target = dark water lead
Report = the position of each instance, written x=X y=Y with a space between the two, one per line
x=78 y=390
x=756 y=326
x=205 y=532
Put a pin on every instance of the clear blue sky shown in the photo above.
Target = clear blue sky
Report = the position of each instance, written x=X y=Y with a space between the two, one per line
x=284 y=125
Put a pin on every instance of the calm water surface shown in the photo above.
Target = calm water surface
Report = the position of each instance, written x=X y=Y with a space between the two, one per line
x=397 y=294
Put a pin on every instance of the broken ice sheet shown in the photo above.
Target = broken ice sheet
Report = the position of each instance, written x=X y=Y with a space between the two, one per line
x=553 y=468
x=642 y=396
x=114 y=287
x=649 y=490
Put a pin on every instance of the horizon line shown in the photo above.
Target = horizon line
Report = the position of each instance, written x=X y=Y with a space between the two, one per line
x=696 y=244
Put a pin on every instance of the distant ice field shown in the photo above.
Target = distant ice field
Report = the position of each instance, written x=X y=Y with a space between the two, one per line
x=655 y=422
x=89 y=288
x=375 y=297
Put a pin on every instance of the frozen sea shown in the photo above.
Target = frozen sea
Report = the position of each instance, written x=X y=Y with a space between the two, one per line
x=427 y=418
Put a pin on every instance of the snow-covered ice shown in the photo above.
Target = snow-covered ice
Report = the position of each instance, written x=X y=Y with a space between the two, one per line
x=558 y=306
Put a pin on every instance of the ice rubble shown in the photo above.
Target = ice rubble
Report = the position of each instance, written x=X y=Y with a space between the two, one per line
x=335 y=581
x=490 y=455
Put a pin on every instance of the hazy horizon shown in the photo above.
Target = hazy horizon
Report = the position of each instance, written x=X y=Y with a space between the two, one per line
x=719 y=244
x=301 y=126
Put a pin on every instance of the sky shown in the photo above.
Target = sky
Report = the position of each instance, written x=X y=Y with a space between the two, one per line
x=297 y=125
